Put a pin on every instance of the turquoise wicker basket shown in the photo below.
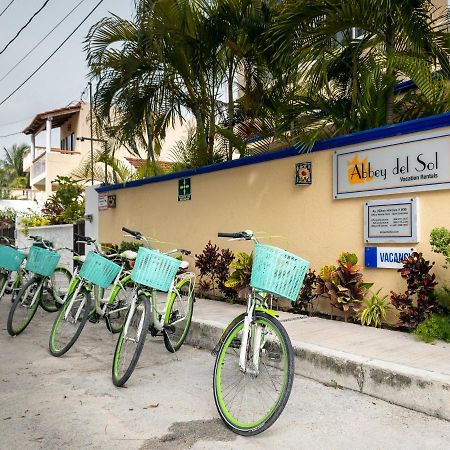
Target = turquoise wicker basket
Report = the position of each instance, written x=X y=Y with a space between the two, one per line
x=99 y=270
x=10 y=258
x=277 y=271
x=42 y=261
x=154 y=269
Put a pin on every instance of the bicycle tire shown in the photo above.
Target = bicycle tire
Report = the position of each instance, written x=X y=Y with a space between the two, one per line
x=120 y=378
x=20 y=302
x=48 y=301
x=172 y=316
x=231 y=341
x=61 y=323
x=115 y=326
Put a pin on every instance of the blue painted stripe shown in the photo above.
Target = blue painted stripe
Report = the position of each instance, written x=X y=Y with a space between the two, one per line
x=398 y=129
x=370 y=256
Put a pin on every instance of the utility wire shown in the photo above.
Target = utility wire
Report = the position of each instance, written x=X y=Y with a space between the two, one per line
x=7 y=6
x=23 y=28
x=43 y=39
x=48 y=59
x=9 y=135
x=13 y=123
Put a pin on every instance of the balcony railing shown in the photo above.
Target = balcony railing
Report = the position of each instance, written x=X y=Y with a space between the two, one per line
x=38 y=167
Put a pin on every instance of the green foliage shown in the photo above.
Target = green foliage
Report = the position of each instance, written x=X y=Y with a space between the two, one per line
x=443 y=298
x=440 y=242
x=344 y=284
x=32 y=219
x=436 y=326
x=11 y=169
x=240 y=277
x=419 y=300
x=214 y=266
x=66 y=205
x=7 y=217
x=375 y=310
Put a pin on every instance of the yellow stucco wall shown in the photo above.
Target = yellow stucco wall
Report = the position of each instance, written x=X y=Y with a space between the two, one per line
x=264 y=198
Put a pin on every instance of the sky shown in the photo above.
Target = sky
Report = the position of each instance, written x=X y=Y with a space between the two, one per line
x=63 y=78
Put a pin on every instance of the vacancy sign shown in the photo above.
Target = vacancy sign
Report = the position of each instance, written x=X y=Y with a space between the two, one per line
x=386 y=257
x=420 y=165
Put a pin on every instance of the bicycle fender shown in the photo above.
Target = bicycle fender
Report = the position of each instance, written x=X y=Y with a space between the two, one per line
x=267 y=311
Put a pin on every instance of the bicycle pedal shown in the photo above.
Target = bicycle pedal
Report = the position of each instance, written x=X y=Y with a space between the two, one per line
x=236 y=343
x=94 y=319
x=274 y=356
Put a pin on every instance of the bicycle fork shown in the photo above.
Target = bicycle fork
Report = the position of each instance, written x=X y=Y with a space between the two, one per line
x=255 y=337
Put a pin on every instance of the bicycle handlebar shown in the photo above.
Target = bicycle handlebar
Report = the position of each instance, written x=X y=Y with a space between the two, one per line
x=81 y=238
x=136 y=234
x=239 y=235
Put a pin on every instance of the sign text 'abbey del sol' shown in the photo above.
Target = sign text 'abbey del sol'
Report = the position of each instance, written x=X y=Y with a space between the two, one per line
x=397 y=167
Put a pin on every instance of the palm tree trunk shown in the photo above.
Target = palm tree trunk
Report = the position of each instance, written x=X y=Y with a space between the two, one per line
x=390 y=72
x=150 y=150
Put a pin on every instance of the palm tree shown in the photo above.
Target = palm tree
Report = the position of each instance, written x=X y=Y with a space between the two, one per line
x=354 y=78
x=12 y=173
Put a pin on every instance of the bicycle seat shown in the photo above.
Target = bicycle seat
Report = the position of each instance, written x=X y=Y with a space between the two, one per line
x=80 y=258
x=129 y=254
x=184 y=265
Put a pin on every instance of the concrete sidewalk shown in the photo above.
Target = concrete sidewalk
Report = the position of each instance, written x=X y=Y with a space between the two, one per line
x=389 y=365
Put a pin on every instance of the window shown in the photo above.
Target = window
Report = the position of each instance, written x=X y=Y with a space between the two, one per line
x=68 y=143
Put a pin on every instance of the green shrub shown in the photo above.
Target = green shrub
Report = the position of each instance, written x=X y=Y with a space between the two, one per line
x=443 y=298
x=435 y=327
x=32 y=220
x=375 y=310
x=440 y=242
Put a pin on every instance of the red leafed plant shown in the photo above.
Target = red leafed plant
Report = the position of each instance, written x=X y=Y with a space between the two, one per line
x=419 y=300
x=214 y=267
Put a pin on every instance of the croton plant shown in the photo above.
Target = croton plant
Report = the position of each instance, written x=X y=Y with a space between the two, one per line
x=344 y=284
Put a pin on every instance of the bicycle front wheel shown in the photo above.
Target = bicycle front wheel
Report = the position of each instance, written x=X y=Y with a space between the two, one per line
x=69 y=322
x=250 y=401
x=131 y=341
x=178 y=315
x=24 y=307
x=55 y=289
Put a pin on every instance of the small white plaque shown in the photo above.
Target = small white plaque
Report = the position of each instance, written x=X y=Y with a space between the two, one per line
x=391 y=221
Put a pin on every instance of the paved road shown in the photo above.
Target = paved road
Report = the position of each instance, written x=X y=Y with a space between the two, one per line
x=70 y=403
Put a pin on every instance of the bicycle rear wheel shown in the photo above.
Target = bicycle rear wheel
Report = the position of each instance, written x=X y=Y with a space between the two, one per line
x=55 y=289
x=250 y=402
x=24 y=307
x=69 y=322
x=131 y=341
x=116 y=312
x=3 y=283
x=179 y=315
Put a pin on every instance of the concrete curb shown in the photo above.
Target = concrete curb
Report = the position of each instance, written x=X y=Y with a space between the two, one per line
x=416 y=389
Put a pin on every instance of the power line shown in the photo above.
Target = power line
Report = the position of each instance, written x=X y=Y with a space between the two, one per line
x=9 y=135
x=13 y=123
x=48 y=59
x=23 y=28
x=43 y=39
x=7 y=6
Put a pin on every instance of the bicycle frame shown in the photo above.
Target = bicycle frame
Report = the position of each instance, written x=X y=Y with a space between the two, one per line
x=100 y=303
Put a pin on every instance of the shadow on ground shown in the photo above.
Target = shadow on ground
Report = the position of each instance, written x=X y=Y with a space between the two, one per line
x=184 y=435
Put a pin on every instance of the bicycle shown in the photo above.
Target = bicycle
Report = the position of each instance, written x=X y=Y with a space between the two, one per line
x=154 y=271
x=45 y=287
x=254 y=367
x=11 y=268
x=87 y=297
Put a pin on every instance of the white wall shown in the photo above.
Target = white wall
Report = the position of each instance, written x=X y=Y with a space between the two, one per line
x=91 y=228
x=60 y=235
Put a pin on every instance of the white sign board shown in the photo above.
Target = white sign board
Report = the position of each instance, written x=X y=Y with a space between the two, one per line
x=416 y=165
x=102 y=202
x=391 y=221
x=386 y=257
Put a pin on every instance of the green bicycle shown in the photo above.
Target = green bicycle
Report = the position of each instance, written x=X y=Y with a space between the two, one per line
x=99 y=289
x=45 y=287
x=254 y=368
x=154 y=271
